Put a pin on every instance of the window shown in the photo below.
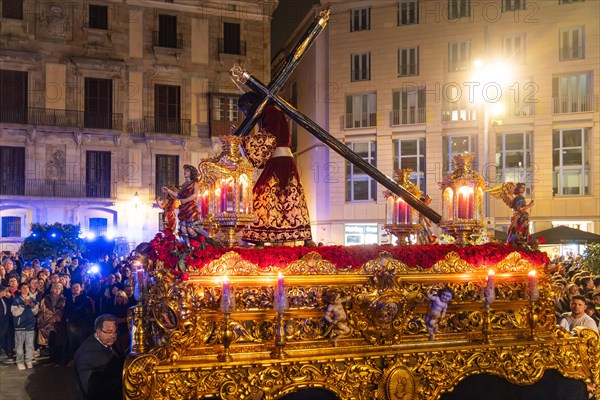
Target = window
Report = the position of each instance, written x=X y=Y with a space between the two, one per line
x=513 y=48
x=13 y=96
x=456 y=107
x=408 y=12
x=97 y=174
x=410 y=153
x=167 y=32
x=98 y=103
x=513 y=158
x=571 y=46
x=98 y=17
x=231 y=38
x=11 y=227
x=12 y=9
x=12 y=170
x=360 y=19
x=98 y=226
x=454 y=145
x=408 y=107
x=572 y=93
x=361 y=67
x=225 y=109
x=361 y=110
x=167 y=171
x=459 y=56
x=513 y=5
x=571 y=162
x=408 y=61
x=459 y=8
x=360 y=234
x=224 y=113
x=167 y=109
x=360 y=186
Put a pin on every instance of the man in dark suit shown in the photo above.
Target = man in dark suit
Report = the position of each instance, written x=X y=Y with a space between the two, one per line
x=98 y=368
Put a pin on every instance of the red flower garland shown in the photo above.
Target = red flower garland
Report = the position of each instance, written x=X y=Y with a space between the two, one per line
x=166 y=248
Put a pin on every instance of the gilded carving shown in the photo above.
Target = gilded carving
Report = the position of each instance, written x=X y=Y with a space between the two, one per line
x=375 y=358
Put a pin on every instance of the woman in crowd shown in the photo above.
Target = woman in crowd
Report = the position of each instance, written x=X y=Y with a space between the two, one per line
x=51 y=334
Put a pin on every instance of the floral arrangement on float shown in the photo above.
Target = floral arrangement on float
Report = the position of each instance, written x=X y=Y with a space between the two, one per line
x=182 y=260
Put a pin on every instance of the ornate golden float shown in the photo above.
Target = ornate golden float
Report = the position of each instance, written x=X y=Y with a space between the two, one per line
x=188 y=345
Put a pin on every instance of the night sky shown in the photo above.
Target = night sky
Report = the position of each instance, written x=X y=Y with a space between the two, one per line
x=286 y=17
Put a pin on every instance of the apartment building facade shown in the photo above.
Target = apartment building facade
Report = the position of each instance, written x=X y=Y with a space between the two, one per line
x=410 y=83
x=103 y=102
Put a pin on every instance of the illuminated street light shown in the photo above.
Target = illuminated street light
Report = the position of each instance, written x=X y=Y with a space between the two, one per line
x=136 y=199
x=489 y=80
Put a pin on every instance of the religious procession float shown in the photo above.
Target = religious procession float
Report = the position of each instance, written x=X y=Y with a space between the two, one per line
x=405 y=321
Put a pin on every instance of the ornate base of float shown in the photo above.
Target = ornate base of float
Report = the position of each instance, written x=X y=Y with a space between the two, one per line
x=462 y=230
x=180 y=336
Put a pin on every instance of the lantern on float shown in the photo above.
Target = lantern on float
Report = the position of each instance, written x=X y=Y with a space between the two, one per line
x=226 y=194
x=402 y=220
x=462 y=200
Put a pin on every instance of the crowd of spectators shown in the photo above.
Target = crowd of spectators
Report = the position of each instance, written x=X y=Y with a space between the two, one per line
x=48 y=307
x=578 y=294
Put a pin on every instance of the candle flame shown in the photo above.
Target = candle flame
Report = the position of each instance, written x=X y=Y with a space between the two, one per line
x=225 y=279
x=279 y=275
x=491 y=272
x=532 y=273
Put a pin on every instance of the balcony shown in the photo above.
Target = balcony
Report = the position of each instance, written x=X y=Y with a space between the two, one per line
x=573 y=104
x=458 y=111
x=408 y=116
x=167 y=40
x=232 y=47
x=151 y=124
x=55 y=188
x=522 y=109
x=62 y=118
x=361 y=120
x=571 y=53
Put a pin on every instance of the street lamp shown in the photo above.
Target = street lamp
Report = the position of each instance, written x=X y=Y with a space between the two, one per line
x=136 y=199
x=488 y=81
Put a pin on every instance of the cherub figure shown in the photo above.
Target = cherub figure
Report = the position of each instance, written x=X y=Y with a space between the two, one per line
x=512 y=195
x=437 y=309
x=168 y=204
x=335 y=314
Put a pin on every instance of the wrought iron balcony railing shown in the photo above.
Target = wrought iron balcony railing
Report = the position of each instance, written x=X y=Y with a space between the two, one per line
x=573 y=104
x=62 y=118
x=408 y=116
x=55 y=188
x=361 y=120
x=151 y=124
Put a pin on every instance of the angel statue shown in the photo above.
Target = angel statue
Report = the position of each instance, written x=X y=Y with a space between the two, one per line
x=512 y=194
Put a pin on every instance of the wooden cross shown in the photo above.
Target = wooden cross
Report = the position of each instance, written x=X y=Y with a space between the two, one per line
x=270 y=95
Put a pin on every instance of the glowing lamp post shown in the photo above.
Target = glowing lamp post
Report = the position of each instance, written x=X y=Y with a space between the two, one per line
x=462 y=200
x=401 y=219
x=226 y=199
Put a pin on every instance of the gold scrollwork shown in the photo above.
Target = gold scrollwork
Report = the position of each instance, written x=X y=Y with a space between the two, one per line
x=398 y=383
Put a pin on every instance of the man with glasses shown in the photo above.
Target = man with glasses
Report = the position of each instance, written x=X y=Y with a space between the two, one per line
x=98 y=367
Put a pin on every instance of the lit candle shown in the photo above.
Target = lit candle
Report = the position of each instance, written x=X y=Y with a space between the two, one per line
x=225 y=297
x=465 y=203
x=223 y=197
x=490 y=279
x=532 y=280
x=204 y=204
x=280 y=300
x=402 y=214
x=280 y=283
